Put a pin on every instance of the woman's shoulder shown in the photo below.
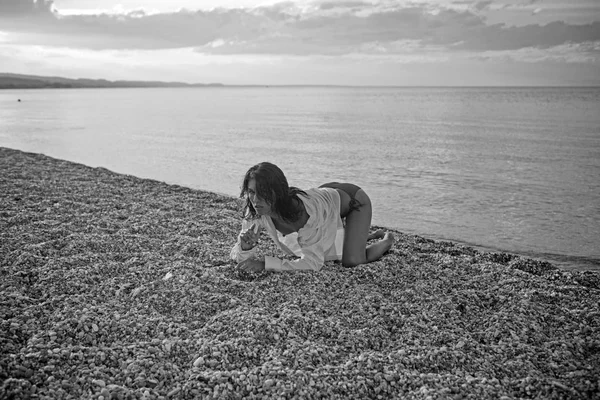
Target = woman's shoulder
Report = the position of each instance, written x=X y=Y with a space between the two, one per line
x=312 y=194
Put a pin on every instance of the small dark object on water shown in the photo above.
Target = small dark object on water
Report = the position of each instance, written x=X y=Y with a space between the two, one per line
x=19 y=100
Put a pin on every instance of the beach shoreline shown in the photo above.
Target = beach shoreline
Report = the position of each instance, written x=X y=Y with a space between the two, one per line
x=119 y=286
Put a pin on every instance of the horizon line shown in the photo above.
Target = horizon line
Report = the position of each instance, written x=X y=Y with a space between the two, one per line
x=333 y=86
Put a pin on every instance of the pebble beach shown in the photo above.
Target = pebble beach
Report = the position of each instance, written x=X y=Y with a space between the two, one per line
x=116 y=287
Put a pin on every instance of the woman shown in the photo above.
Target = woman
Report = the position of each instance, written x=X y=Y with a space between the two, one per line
x=307 y=224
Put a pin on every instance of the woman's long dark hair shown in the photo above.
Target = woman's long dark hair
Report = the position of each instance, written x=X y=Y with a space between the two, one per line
x=272 y=187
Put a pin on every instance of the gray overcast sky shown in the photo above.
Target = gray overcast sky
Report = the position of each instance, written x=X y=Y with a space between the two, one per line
x=346 y=42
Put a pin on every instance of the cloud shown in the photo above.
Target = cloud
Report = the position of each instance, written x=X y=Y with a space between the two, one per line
x=499 y=37
x=325 y=27
x=571 y=53
x=328 y=5
x=482 y=5
x=25 y=7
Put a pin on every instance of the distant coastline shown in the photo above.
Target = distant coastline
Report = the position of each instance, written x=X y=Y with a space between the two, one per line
x=19 y=81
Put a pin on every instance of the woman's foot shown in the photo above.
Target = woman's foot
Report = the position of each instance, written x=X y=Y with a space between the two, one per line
x=376 y=250
x=387 y=242
x=377 y=235
x=389 y=237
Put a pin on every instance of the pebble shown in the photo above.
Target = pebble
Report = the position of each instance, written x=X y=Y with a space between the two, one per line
x=99 y=382
x=199 y=362
x=268 y=383
x=352 y=333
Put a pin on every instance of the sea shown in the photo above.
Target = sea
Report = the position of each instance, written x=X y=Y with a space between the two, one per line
x=514 y=169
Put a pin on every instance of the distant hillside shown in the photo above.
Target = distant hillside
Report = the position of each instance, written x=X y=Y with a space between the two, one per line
x=17 y=81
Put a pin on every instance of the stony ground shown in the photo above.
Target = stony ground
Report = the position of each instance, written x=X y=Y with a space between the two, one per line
x=118 y=287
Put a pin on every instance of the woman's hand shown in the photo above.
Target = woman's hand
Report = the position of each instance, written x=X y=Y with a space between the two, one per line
x=251 y=265
x=249 y=238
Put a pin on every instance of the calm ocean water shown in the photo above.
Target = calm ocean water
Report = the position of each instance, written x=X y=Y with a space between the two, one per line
x=512 y=169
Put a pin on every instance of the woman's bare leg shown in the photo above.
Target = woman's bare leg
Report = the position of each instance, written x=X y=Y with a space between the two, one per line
x=356 y=235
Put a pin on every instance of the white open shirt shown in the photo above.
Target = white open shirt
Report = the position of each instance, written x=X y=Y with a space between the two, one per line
x=320 y=239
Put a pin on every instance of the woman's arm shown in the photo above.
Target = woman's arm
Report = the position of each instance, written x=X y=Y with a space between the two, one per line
x=247 y=237
x=313 y=258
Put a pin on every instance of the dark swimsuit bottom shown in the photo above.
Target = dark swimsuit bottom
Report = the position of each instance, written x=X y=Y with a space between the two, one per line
x=350 y=189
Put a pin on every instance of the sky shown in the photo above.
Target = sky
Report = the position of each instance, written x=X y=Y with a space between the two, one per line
x=307 y=42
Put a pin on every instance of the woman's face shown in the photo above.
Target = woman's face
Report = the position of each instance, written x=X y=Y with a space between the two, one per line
x=261 y=206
